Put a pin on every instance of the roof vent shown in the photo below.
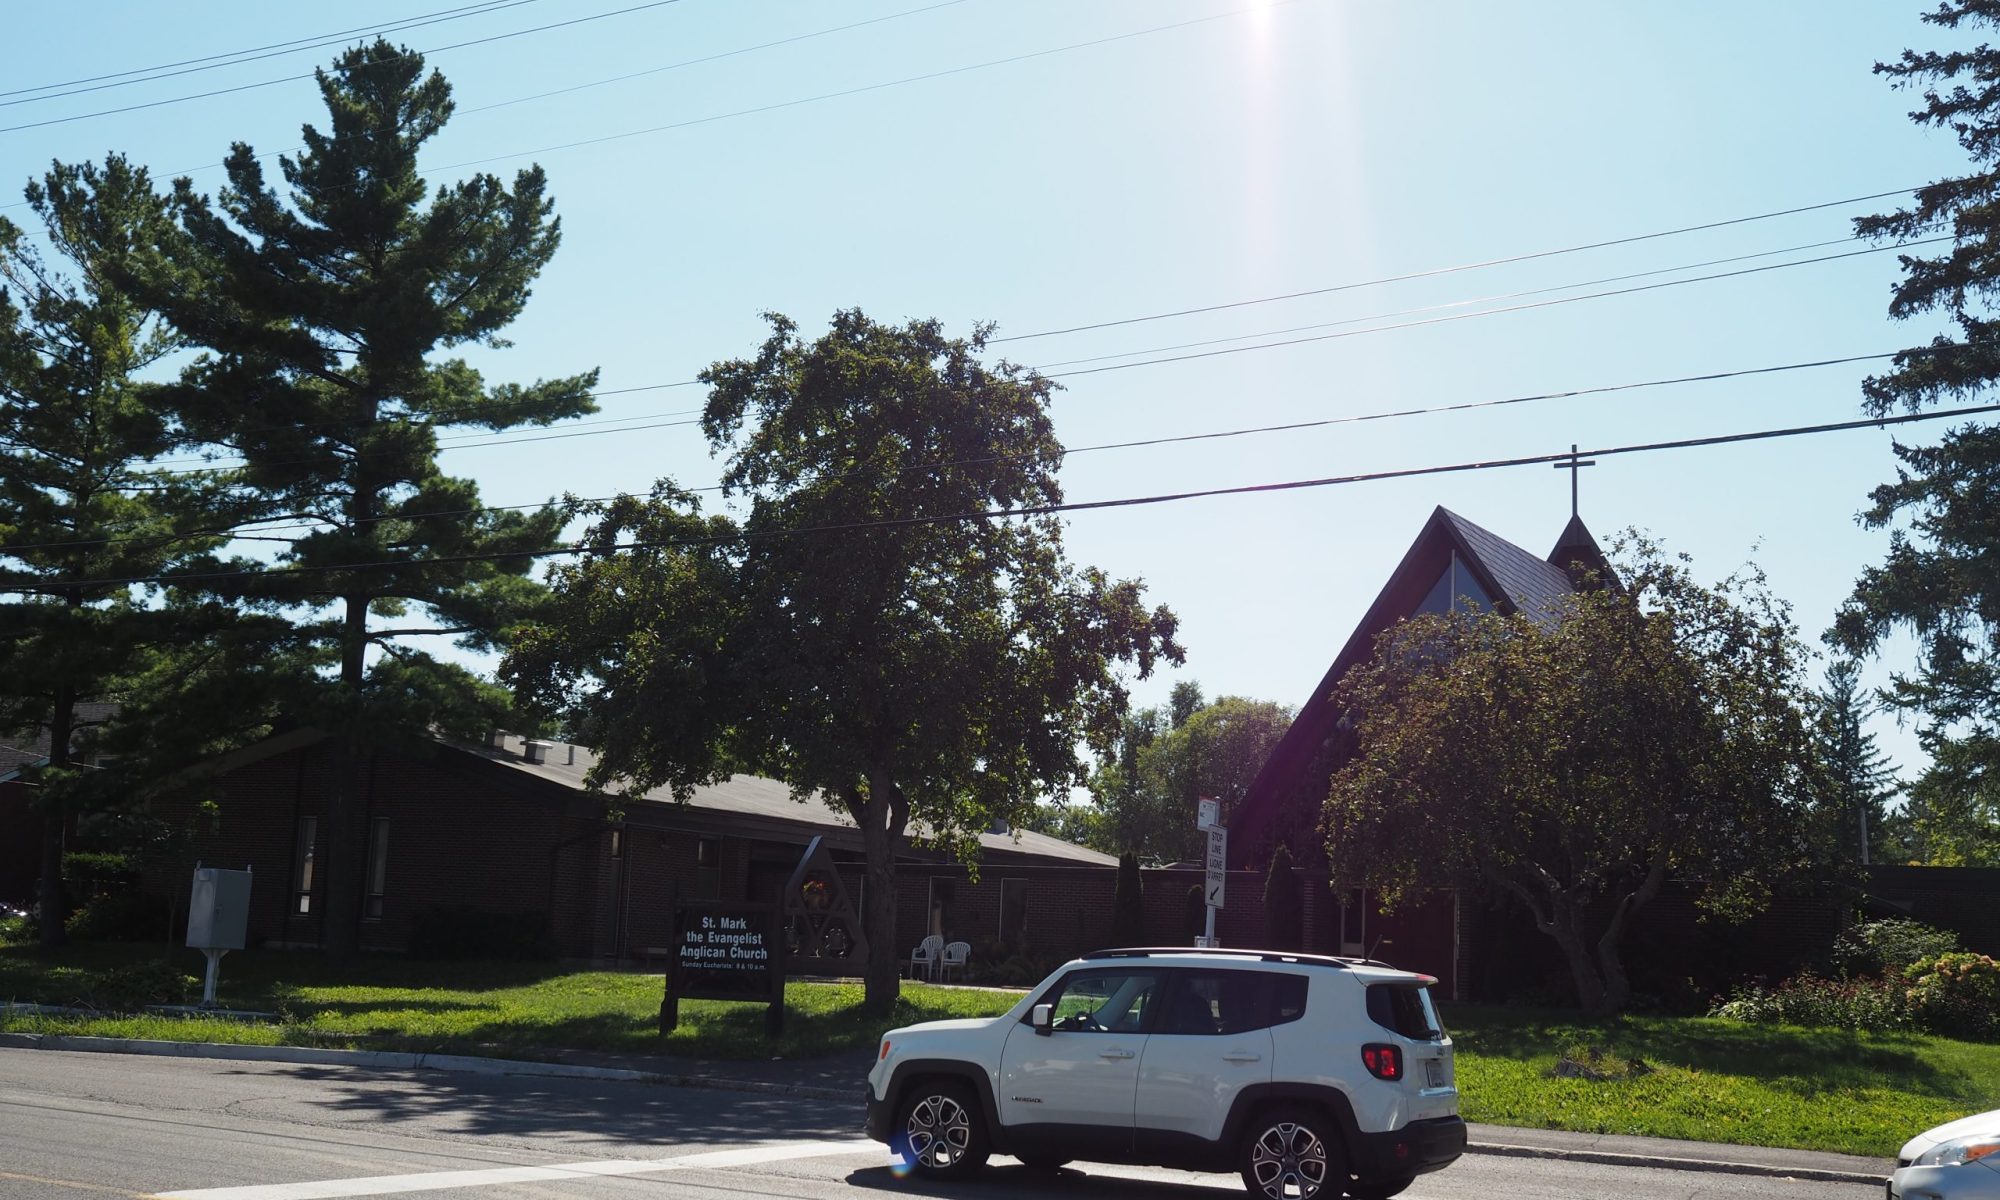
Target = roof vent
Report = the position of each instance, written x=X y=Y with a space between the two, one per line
x=535 y=752
x=571 y=760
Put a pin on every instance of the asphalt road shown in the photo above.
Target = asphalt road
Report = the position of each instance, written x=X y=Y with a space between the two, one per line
x=74 y=1126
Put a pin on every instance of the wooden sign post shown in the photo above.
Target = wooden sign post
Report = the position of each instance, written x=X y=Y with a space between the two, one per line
x=726 y=950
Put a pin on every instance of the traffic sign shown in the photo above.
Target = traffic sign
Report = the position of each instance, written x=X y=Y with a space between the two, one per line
x=1218 y=866
x=1209 y=813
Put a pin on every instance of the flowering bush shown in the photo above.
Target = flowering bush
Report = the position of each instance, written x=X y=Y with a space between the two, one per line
x=1955 y=993
x=1809 y=999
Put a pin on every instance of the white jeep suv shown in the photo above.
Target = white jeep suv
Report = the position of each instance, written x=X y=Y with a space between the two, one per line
x=1314 y=1077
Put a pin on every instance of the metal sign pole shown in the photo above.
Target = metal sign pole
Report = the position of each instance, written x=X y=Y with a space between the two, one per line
x=1209 y=819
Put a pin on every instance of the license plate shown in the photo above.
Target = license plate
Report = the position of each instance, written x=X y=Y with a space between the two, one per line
x=1433 y=1072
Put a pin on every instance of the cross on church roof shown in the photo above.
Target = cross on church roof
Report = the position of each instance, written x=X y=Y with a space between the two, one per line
x=1574 y=466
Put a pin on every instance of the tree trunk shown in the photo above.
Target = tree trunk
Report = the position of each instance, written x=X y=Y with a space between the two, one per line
x=1590 y=986
x=50 y=898
x=881 y=814
x=340 y=918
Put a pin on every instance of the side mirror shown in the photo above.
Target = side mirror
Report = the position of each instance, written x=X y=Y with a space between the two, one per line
x=1043 y=1018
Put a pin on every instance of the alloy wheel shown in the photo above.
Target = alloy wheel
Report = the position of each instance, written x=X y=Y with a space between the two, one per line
x=1289 y=1162
x=939 y=1133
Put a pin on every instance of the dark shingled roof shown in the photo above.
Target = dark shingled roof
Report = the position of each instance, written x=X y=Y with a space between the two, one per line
x=1533 y=585
x=1519 y=582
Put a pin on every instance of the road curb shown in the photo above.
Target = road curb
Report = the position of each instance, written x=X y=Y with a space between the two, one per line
x=1663 y=1162
x=399 y=1060
x=465 y=1064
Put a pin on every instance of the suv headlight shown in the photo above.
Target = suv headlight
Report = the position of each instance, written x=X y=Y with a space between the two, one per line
x=1958 y=1151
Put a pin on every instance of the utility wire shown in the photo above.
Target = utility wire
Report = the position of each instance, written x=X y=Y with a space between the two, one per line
x=1007 y=514
x=1453 y=304
x=709 y=58
x=214 y=62
x=271 y=154
x=1213 y=435
x=477 y=441
x=245 y=87
x=861 y=90
x=1486 y=312
x=1472 y=266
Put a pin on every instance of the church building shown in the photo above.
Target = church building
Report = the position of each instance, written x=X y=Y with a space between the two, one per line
x=1451 y=562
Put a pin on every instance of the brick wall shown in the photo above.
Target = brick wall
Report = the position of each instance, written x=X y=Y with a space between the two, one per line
x=453 y=842
x=1965 y=900
x=20 y=845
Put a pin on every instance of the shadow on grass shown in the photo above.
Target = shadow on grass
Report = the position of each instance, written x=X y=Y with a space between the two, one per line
x=1803 y=1061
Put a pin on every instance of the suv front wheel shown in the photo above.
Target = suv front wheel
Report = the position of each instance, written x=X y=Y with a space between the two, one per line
x=939 y=1130
x=1292 y=1154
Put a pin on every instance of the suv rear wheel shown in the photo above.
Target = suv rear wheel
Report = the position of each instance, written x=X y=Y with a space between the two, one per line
x=939 y=1129
x=1292 y=1154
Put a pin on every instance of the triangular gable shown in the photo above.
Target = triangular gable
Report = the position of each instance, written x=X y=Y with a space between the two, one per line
x=1514 y=578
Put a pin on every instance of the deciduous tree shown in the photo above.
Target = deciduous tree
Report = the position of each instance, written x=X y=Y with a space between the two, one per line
x=1576 y=764
x=863 y=634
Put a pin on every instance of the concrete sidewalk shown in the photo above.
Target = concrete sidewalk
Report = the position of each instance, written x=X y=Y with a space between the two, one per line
x=841 y=1078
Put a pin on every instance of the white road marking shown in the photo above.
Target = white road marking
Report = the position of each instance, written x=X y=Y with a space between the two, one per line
x=432 y=1181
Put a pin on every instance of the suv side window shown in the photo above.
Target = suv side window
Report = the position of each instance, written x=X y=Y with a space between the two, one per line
x=1103 y=1001
x=1231 y=1002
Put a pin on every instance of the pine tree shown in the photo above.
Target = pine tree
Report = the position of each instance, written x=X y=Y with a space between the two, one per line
x=325 y=312
x=1860 y=774
x=79 y=501
x=1940 y=581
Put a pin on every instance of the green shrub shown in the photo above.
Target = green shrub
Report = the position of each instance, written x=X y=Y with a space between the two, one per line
x=1887 y=947
x=462 y=933
x=132 y=988
x=1875 y=1005
x=1955 y=994
x=122 y=916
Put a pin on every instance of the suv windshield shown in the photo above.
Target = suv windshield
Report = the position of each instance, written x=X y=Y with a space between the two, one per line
x=1405 y=1008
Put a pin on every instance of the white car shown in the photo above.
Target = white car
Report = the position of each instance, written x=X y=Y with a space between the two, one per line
x=1314 y=1077
x=1957 y=1160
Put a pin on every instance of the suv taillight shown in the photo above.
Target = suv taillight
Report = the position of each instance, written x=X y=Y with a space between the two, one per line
x=1383 y=1060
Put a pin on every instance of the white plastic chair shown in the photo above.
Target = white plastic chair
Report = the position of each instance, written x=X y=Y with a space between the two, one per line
x=926 y=956
x=956 y=954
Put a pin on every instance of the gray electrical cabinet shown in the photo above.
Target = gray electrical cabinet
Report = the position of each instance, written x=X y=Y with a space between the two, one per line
x=219 y=913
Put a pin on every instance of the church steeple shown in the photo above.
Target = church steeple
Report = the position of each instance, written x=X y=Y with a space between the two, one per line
x=1580 y=558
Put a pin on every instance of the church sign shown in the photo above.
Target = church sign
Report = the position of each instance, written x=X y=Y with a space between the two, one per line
x=726 y=950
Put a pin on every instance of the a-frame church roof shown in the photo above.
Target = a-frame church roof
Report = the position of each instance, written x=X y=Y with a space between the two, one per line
x=1451 y=558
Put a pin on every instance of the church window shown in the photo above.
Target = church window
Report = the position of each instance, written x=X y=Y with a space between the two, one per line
x=1455 y=585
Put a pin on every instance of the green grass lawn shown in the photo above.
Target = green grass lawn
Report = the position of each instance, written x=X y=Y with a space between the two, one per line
x=1703 y=1079
x=1718 y=1081
x=505 y=1009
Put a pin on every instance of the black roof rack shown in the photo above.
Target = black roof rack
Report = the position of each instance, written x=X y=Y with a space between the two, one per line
x=1260 y=955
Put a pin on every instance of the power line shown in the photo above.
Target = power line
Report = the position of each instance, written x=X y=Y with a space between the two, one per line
x=477 y=441
x=234 y=58
x=270 y=154
x=1006 y=514
x=245 y=87
x=1472 y=266
x=709 y=58
x=861 y=90
x=1452 y=304
x=1288 y=427
x=1488 y=312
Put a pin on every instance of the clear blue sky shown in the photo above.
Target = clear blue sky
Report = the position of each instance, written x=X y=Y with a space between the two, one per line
x=1277 y=148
